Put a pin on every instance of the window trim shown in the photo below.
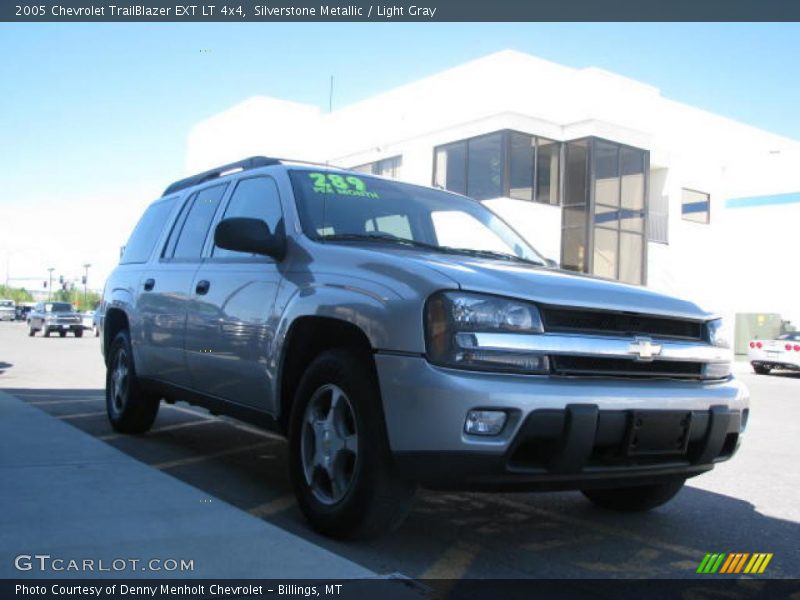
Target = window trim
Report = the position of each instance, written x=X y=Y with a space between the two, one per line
x=708 y=212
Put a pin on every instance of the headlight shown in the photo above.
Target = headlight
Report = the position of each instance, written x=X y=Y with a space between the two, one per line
x=718 y=334
x=455 y=320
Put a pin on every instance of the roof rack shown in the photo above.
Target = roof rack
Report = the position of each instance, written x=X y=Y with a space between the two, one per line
x=253 y=162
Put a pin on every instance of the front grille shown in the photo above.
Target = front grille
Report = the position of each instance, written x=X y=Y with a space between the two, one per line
x=623 y=367
x=573 y=320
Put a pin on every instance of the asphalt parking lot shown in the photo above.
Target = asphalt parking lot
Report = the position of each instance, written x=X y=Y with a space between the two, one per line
x=749 y=504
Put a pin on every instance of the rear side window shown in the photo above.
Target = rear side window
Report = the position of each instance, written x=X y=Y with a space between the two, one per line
x=146 y=232
x=195 y=227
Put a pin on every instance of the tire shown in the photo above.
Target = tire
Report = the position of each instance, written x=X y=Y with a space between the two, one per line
x=79 y=333
x=96 y=331
x=635 y=499
x=371 y=498
x=761 y=370
x=129 y=408
x=31 y=332
x=62 y=334
x=45 y=331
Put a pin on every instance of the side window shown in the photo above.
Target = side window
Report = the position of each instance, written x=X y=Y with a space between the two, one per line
x=195 y=227
x=144 y=236
x=256 y=198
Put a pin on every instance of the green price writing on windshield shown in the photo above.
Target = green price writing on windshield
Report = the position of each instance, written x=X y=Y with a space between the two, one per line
x=346 y=185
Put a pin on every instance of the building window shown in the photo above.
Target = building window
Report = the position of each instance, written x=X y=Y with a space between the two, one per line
x=503 y=163
x=695 y=206
x=605 y=200
x=388 y=167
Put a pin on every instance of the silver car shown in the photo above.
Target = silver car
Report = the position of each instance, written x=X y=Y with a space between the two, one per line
x=55 y=317
x=399 y=336
x=8 y=310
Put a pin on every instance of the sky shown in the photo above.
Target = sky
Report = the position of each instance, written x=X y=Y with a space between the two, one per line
x=94 y=117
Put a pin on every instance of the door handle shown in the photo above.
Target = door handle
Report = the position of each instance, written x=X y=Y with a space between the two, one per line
x=149 y=284
x=202 y=287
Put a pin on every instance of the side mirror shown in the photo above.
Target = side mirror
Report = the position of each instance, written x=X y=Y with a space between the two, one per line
x=242 y=234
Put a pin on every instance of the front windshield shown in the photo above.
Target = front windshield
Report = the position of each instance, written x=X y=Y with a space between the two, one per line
x=58 y=307
x=343 y=207
x=6 y=303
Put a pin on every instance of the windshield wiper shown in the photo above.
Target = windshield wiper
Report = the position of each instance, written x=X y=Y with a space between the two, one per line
x=379 y=236
x=492 y=254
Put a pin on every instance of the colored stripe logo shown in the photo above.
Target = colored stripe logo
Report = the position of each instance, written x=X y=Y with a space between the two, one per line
x=735 y=562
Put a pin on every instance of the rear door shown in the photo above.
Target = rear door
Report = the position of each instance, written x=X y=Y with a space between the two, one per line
x=231 y=322
x=165 y=291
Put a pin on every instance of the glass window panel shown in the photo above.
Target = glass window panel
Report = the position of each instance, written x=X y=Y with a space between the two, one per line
x=573 y=249
x=630 y=257
x=605 y=252
x=606 y=173
x=548 y=156
x=146 y=233
x=696 y=206
x=631 y=220
x=575 y=216
x=255 y=198
x=485 y=168
x=607 y=216
x=521 y=151
x=389 y=167
x=450 y=167
x=576 y=173
x=367 y=168
x=195 y=228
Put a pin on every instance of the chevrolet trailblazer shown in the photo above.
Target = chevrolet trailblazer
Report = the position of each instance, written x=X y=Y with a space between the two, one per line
x=398 y=336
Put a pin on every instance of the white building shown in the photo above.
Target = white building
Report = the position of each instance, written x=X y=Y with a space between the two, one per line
x=599 y=172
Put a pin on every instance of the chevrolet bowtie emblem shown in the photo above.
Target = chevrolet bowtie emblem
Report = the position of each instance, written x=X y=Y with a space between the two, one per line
x=644 y=348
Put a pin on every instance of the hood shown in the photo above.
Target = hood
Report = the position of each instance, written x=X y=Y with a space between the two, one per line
x=550 y=286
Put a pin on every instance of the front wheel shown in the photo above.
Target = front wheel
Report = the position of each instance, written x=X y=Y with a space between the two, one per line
x=635 y=499
x=339 y=458
x=45 y=331
x=129 y=408
x=79 y=333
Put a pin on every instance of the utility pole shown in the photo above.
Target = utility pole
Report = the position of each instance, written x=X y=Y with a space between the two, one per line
x=50 y=283
x=85 y=283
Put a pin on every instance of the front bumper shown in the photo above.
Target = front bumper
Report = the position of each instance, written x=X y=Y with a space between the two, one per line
x=63 y=326
x=561 y=433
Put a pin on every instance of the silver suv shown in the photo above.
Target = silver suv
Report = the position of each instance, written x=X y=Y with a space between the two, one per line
x=398 y=336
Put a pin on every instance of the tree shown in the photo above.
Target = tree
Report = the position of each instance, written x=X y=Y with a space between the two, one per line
x=16 y=294
x=75 y=297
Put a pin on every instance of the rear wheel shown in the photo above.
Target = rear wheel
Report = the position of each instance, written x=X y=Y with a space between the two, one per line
x=761 y=370
x=635 y=499
x=339 y=458
x=79 y=333
x=130 y=409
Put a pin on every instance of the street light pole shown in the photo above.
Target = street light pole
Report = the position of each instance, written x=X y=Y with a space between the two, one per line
x=50 y=283
x=85 y=283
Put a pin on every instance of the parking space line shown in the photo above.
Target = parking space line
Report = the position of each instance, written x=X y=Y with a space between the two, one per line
x=273 y=507
x=453 y=563
x=597 y=527
x=81 y=415
x=113 y=436
x=204 y=457
x=238 y=425
x=64 y=401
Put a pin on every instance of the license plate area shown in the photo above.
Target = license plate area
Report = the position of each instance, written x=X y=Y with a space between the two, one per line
x=653 y=433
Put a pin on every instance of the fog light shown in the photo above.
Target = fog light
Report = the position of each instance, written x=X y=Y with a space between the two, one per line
x=485 y=422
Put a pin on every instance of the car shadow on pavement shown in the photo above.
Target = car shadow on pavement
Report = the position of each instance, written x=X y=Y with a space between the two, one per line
x=448 y=535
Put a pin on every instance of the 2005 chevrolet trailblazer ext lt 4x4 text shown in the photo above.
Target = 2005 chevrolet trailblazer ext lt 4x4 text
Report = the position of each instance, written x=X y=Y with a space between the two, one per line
x=400 y=336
